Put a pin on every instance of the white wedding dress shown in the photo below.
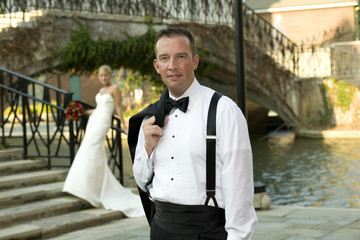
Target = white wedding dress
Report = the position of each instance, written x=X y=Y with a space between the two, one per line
x=90 y=177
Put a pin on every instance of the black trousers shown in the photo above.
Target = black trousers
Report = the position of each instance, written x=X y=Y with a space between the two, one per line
x=157 y=233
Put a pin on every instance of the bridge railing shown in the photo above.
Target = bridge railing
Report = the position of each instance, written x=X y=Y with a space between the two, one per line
x=220 y=11
x=324 y=61
x=32 y=116
x=264 y=37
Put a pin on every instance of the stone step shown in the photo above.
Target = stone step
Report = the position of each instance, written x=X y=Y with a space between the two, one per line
x=10 y=154
x=31 y=178
x=123 y=229
x=53 y=226
x=15 y=166
x=41 y=209
x=27 y=194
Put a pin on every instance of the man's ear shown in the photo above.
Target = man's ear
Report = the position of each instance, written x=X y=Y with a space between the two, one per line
x=196 y=61
x=156 y=66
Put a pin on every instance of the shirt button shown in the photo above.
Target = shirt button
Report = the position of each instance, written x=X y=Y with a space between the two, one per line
x=173 y=136
x=176 y=115
x=172 y=179
x=172 y=157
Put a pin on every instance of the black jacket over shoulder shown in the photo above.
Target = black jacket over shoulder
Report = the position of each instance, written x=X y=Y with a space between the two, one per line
x=156 y=109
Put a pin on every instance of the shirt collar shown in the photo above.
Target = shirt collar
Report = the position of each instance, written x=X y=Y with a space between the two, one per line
x=191 y=92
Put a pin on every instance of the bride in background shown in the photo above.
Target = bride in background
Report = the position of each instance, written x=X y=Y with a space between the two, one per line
x=90 y=177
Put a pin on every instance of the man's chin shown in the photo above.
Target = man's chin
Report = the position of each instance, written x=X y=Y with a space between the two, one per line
x=173 y=83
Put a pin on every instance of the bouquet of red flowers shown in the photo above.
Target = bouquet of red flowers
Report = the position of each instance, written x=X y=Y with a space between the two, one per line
x=74 y=111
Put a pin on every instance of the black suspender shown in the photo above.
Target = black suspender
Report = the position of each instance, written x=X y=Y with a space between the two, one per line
x=211 y=150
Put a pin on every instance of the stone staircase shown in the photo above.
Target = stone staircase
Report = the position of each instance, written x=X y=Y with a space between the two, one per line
x=33 y=206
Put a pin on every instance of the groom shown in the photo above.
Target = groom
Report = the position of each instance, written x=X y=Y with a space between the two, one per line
x=167 y=143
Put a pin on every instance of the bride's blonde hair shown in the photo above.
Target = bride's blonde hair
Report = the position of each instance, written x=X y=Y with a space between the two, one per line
x=106 y=68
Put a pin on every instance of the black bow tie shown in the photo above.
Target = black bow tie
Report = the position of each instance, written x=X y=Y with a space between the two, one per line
x=170 y=103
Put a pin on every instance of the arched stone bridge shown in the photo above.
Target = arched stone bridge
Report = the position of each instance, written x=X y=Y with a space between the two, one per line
x=29 y=51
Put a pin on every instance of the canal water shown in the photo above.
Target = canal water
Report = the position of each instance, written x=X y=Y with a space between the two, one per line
x=309 y=172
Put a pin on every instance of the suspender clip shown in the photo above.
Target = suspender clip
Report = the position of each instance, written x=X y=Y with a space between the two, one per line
x=210 y=136
x=210 y=193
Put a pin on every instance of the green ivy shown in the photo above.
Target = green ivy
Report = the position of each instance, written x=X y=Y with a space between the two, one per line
x=83 y=54
x=344 y=94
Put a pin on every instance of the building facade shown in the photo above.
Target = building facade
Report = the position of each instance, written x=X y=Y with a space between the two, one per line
x=311 y=21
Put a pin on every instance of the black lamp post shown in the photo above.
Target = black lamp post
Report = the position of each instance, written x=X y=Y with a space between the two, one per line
x=240 y=62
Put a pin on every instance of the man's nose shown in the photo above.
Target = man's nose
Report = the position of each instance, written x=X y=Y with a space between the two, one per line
x=172 y=64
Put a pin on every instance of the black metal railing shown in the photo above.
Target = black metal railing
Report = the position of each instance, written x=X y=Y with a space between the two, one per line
x=264 y=37
x=32 y=116
x=204 y=10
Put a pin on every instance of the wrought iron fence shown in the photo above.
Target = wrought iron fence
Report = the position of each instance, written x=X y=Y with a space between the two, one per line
x=323 y=61
x=34 y=113
x=220 y=11
x=264 y=37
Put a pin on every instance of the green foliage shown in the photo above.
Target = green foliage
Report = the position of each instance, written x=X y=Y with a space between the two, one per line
x=344 y=94
x=134 y=81
x=85 y=55
x=325 y=115
x=136 y=53
x=205 y=67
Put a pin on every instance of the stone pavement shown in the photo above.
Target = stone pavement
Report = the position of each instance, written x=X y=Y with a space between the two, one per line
x=277 y=223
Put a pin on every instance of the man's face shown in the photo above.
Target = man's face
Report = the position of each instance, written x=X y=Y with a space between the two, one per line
x=175 y=63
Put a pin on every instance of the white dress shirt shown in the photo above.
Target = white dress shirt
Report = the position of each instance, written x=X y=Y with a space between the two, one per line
x=179 y=161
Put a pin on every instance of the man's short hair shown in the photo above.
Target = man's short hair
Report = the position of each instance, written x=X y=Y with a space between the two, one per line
x=174 y=32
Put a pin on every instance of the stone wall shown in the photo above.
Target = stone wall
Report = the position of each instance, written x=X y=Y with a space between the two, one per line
x=345 y=104
x=30 y=50
x=313 y=104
